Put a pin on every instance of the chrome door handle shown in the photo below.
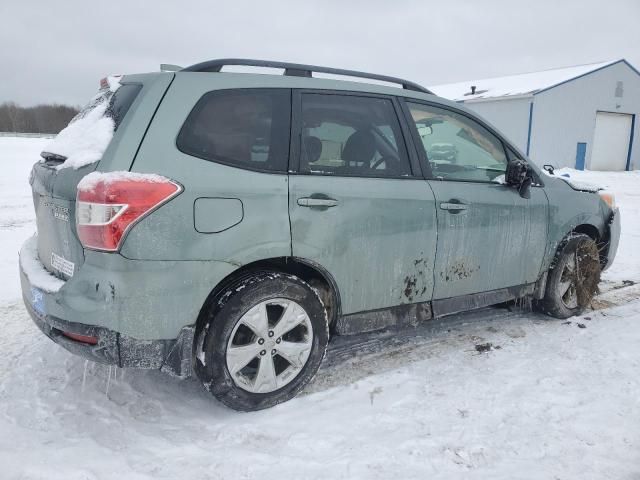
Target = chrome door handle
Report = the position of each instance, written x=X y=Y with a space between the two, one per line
x=317 y=202
x=453 y=207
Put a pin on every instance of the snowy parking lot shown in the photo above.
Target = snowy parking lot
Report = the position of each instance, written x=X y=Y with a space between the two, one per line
x=544 y=399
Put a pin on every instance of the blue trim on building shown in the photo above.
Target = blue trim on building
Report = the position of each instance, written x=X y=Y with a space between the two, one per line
x=588 y=73
x=529 y=128
x=581 y=150
x=633 y=127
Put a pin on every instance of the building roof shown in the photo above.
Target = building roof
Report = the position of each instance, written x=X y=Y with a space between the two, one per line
x=523 y=84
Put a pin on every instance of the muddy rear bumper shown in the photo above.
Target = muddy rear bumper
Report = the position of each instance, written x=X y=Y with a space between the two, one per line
x=170 y=356
x=60 y=313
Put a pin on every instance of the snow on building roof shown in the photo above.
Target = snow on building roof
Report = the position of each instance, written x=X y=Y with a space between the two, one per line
x=515 y=85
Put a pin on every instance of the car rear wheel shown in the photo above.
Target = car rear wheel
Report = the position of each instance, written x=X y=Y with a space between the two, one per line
x=573 y=280
x=265 y=341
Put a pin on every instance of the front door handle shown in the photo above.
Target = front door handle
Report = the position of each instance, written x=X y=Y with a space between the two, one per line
x=453 y=207
x=317 y=202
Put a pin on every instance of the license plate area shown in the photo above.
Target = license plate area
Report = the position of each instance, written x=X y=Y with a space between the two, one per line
x=37 y=302
x=62 y=265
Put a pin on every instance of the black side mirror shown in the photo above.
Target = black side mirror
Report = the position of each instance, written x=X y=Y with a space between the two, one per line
x=549 y=169
x=525 y=188
x=518 y=175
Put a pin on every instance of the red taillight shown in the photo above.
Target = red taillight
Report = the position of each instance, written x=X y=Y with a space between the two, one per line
x=108 y=204
x=81 y=338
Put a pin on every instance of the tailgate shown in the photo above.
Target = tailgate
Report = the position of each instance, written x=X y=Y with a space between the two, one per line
x=59 y=249
x=74 y=153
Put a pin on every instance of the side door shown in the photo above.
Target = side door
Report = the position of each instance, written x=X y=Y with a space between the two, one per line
x=358 y=207
x=489 y=237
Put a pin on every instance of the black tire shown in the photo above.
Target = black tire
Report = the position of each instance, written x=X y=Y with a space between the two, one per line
x=227 y=311
x=582 y=251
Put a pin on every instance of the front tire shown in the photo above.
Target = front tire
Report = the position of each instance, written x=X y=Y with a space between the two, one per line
x=573 y=280
x=265 y=340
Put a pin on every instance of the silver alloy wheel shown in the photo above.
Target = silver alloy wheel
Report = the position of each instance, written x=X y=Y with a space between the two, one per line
x=567 y=285
x=269 y=345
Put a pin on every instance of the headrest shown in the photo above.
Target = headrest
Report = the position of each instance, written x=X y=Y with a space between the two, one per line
x=359 y=148
x=311 y=148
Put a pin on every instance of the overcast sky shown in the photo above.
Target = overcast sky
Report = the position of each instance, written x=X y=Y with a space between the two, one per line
x=57 y=51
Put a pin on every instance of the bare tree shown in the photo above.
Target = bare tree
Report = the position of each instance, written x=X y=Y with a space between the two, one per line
x=39 y=119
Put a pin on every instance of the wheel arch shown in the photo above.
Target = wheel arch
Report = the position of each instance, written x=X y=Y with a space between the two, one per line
x=308 y=270
x=586 y=229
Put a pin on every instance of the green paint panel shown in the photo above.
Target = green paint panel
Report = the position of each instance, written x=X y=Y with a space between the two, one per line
x=378 y=241
x=497 y=240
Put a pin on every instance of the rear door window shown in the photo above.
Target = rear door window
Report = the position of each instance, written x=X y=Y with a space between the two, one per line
x=246 y=128
x=351 y=135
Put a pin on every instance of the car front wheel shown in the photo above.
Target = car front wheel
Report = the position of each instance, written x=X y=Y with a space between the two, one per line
x=573 y=280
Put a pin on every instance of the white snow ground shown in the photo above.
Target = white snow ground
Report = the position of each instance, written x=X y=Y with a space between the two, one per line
x=556 y=401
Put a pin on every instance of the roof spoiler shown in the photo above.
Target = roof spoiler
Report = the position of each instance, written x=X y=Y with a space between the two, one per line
x=169 y=67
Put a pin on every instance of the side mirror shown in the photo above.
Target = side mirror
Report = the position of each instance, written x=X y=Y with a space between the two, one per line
x=518 y=175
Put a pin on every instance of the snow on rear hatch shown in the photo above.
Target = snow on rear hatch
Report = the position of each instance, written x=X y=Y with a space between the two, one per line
x=87 y=136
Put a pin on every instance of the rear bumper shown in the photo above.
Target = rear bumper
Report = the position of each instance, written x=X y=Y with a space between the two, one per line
x=613 y=234
x=170 y=356
x=143 y=313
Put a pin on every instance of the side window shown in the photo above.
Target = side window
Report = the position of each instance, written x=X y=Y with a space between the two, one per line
x=242 y=128
x=351 y=135
x=457 y=147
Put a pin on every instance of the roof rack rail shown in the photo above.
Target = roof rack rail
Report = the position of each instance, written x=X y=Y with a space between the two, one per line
x=299 y=70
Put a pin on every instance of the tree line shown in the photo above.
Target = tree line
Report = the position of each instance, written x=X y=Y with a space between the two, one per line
x=38 y=119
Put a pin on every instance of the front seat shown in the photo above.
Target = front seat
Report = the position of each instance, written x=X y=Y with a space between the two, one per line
x=311 y=150
x=359 y=150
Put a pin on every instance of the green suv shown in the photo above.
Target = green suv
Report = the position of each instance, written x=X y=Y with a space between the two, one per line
x=227 y=224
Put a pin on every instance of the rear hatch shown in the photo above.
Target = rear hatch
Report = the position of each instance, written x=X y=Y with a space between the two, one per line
x=74 y=153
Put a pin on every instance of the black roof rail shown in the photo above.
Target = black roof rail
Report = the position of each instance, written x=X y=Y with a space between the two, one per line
x=299 y=70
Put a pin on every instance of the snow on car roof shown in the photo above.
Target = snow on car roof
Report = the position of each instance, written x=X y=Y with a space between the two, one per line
x=513 y=85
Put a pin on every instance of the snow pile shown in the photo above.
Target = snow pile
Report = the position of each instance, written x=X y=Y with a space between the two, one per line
x=87 y=136
x=34 y=270
x=582 y=186
x=89 y=182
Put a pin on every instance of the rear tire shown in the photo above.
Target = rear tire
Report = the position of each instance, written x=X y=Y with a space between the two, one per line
x=573 y=280
x=265 y=340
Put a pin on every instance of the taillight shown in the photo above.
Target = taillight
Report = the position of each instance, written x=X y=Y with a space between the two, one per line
x=81 y=338
x=109 y=204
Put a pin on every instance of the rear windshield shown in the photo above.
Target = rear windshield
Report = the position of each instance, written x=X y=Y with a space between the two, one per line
x=118 y=102
x=89 y=133
x=121 y=100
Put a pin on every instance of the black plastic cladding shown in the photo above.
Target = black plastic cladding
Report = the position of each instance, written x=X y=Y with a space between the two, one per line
x=300 y=70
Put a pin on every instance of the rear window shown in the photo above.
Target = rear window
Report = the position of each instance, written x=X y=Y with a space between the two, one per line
x=121 y=100
x=89 y=133
x=246 y=128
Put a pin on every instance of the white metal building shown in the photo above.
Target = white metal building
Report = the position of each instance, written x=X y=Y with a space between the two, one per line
x=580 y=117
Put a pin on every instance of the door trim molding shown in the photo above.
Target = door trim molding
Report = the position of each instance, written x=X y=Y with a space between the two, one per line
x=412 y=314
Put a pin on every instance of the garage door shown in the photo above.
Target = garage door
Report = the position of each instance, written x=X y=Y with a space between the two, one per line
x=611 y=141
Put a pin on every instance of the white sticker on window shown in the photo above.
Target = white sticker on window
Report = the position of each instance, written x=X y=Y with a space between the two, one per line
x=62 y=264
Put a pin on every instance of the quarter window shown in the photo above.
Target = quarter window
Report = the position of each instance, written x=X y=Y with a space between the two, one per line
x=351 y=135
x=243 y=128
x=457 y=147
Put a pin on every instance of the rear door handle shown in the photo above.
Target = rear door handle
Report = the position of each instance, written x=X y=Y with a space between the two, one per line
x=317 y=202
x=453 y=207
